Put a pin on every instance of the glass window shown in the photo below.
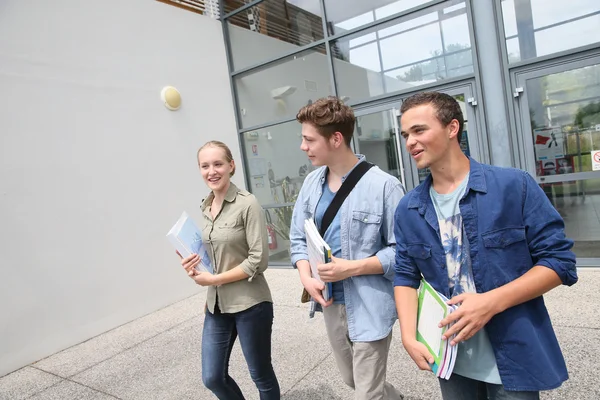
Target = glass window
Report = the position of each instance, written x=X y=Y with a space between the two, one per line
x=564 y=112
x=271 y=28
x=536 y=28
x=350 y=14
x=276 y=168
x=430 y=46
x=278 y=90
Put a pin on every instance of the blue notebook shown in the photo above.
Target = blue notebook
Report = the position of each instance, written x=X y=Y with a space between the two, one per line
x=187 y=239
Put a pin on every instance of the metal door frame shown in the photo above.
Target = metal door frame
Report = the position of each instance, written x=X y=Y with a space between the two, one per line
x=394 y=110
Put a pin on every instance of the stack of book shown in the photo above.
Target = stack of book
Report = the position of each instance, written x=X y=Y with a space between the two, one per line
x=433 y=308
x=187 y=240
x=319 y=252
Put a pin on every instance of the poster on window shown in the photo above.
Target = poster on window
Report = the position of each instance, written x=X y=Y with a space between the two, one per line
x=549 y=148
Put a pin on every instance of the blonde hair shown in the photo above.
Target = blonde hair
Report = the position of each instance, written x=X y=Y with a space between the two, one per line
x=222 y=146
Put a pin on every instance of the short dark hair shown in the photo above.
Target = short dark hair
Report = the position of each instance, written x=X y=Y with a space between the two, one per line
x=329 y=115
x=446 y=108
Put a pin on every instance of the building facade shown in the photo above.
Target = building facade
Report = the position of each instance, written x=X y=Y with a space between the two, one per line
x=526 y=73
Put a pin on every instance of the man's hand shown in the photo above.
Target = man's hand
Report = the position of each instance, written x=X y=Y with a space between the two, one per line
x=336 y=270
x=315 y=290
x=419 y=353
x=472 y=315
x=204 y=278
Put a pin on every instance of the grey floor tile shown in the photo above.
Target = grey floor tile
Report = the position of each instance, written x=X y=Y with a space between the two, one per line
x=581 y=348
x=576 y=306
x=24 y=383
x=82 y=356
x=67 y=390
x=323 y=382
x=285 y=286
x=168 y=365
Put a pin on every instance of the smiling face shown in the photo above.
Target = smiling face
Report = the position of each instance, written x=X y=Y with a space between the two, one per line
x=316 y=146
x=427 y=140
x=215 y=168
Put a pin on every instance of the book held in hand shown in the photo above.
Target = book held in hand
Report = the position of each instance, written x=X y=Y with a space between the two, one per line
x=319 y=252
x=187 y=240
x=432 y=309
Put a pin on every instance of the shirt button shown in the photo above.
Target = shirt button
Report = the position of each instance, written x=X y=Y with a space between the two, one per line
x=365 y=220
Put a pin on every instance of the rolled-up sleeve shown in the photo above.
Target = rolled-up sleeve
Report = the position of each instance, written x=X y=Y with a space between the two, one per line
x=298 y=249
x=256 y=236
x=546 y=238
x=406 y=272
x=386 y=255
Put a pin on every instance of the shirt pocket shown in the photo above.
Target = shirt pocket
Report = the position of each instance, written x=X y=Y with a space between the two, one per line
x=230 y=229
x=421 y=254
x=507 y=253
x=365 y=226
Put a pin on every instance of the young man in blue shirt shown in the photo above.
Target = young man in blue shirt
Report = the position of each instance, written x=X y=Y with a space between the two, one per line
x=360 y=317
x=487 y=238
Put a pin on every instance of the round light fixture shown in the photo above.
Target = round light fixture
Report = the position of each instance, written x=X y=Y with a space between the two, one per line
x=171 y=97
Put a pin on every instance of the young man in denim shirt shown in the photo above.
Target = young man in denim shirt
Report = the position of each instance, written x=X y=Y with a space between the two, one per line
x=487 y=238
x=360 y=317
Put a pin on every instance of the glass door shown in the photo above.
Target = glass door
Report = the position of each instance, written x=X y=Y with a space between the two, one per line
x=377 y=137
x=559 y=116
x=470 y=141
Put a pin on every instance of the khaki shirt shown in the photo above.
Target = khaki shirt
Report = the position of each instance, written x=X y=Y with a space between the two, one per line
x=237 y=237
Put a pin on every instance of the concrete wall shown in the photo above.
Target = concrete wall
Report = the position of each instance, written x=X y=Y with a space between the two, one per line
x=94 y=169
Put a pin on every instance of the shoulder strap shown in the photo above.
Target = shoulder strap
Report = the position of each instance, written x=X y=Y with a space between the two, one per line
x=342 y=193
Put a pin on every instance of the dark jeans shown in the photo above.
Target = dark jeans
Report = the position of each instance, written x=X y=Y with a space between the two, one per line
x=254 y=327
x=461 y=388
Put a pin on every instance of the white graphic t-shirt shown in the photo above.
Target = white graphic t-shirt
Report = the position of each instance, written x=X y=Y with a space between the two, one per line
x=475 y=358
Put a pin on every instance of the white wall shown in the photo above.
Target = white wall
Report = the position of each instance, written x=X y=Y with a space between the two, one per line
x=94 y=169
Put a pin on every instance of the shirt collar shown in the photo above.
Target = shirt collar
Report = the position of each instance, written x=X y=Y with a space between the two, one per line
x=476 y=183
x=230 y=196
x=361 y=158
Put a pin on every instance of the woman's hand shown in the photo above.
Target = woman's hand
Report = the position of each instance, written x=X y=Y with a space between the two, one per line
x=189 y=263
x=201 y=278
x=204 y=278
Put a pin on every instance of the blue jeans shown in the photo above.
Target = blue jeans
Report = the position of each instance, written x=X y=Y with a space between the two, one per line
x=461 y=388
x=254 y=327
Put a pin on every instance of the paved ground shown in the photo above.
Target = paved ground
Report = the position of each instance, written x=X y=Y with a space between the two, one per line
x=158 y=356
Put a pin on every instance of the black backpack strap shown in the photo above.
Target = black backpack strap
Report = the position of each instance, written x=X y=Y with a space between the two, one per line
x=347 y=186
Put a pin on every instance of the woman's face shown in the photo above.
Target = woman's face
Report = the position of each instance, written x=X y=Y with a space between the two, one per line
x=215 y=168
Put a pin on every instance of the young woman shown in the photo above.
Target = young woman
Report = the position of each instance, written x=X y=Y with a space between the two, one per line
x=239 y=300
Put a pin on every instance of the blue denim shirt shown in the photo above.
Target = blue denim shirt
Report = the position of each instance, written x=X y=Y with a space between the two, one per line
x=512 y=227
x=367 y=229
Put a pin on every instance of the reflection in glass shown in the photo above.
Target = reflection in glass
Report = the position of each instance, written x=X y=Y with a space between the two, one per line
x=564 y=111
x=578 y=202
x=376 y=138
x=278 y=90
x=542 y=27
x=276 y=169
x=272 y=28
x=351 y=14
x=425 y=47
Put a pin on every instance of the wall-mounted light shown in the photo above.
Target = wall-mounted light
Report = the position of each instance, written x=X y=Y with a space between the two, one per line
x=281 y=92
x=171 y=97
